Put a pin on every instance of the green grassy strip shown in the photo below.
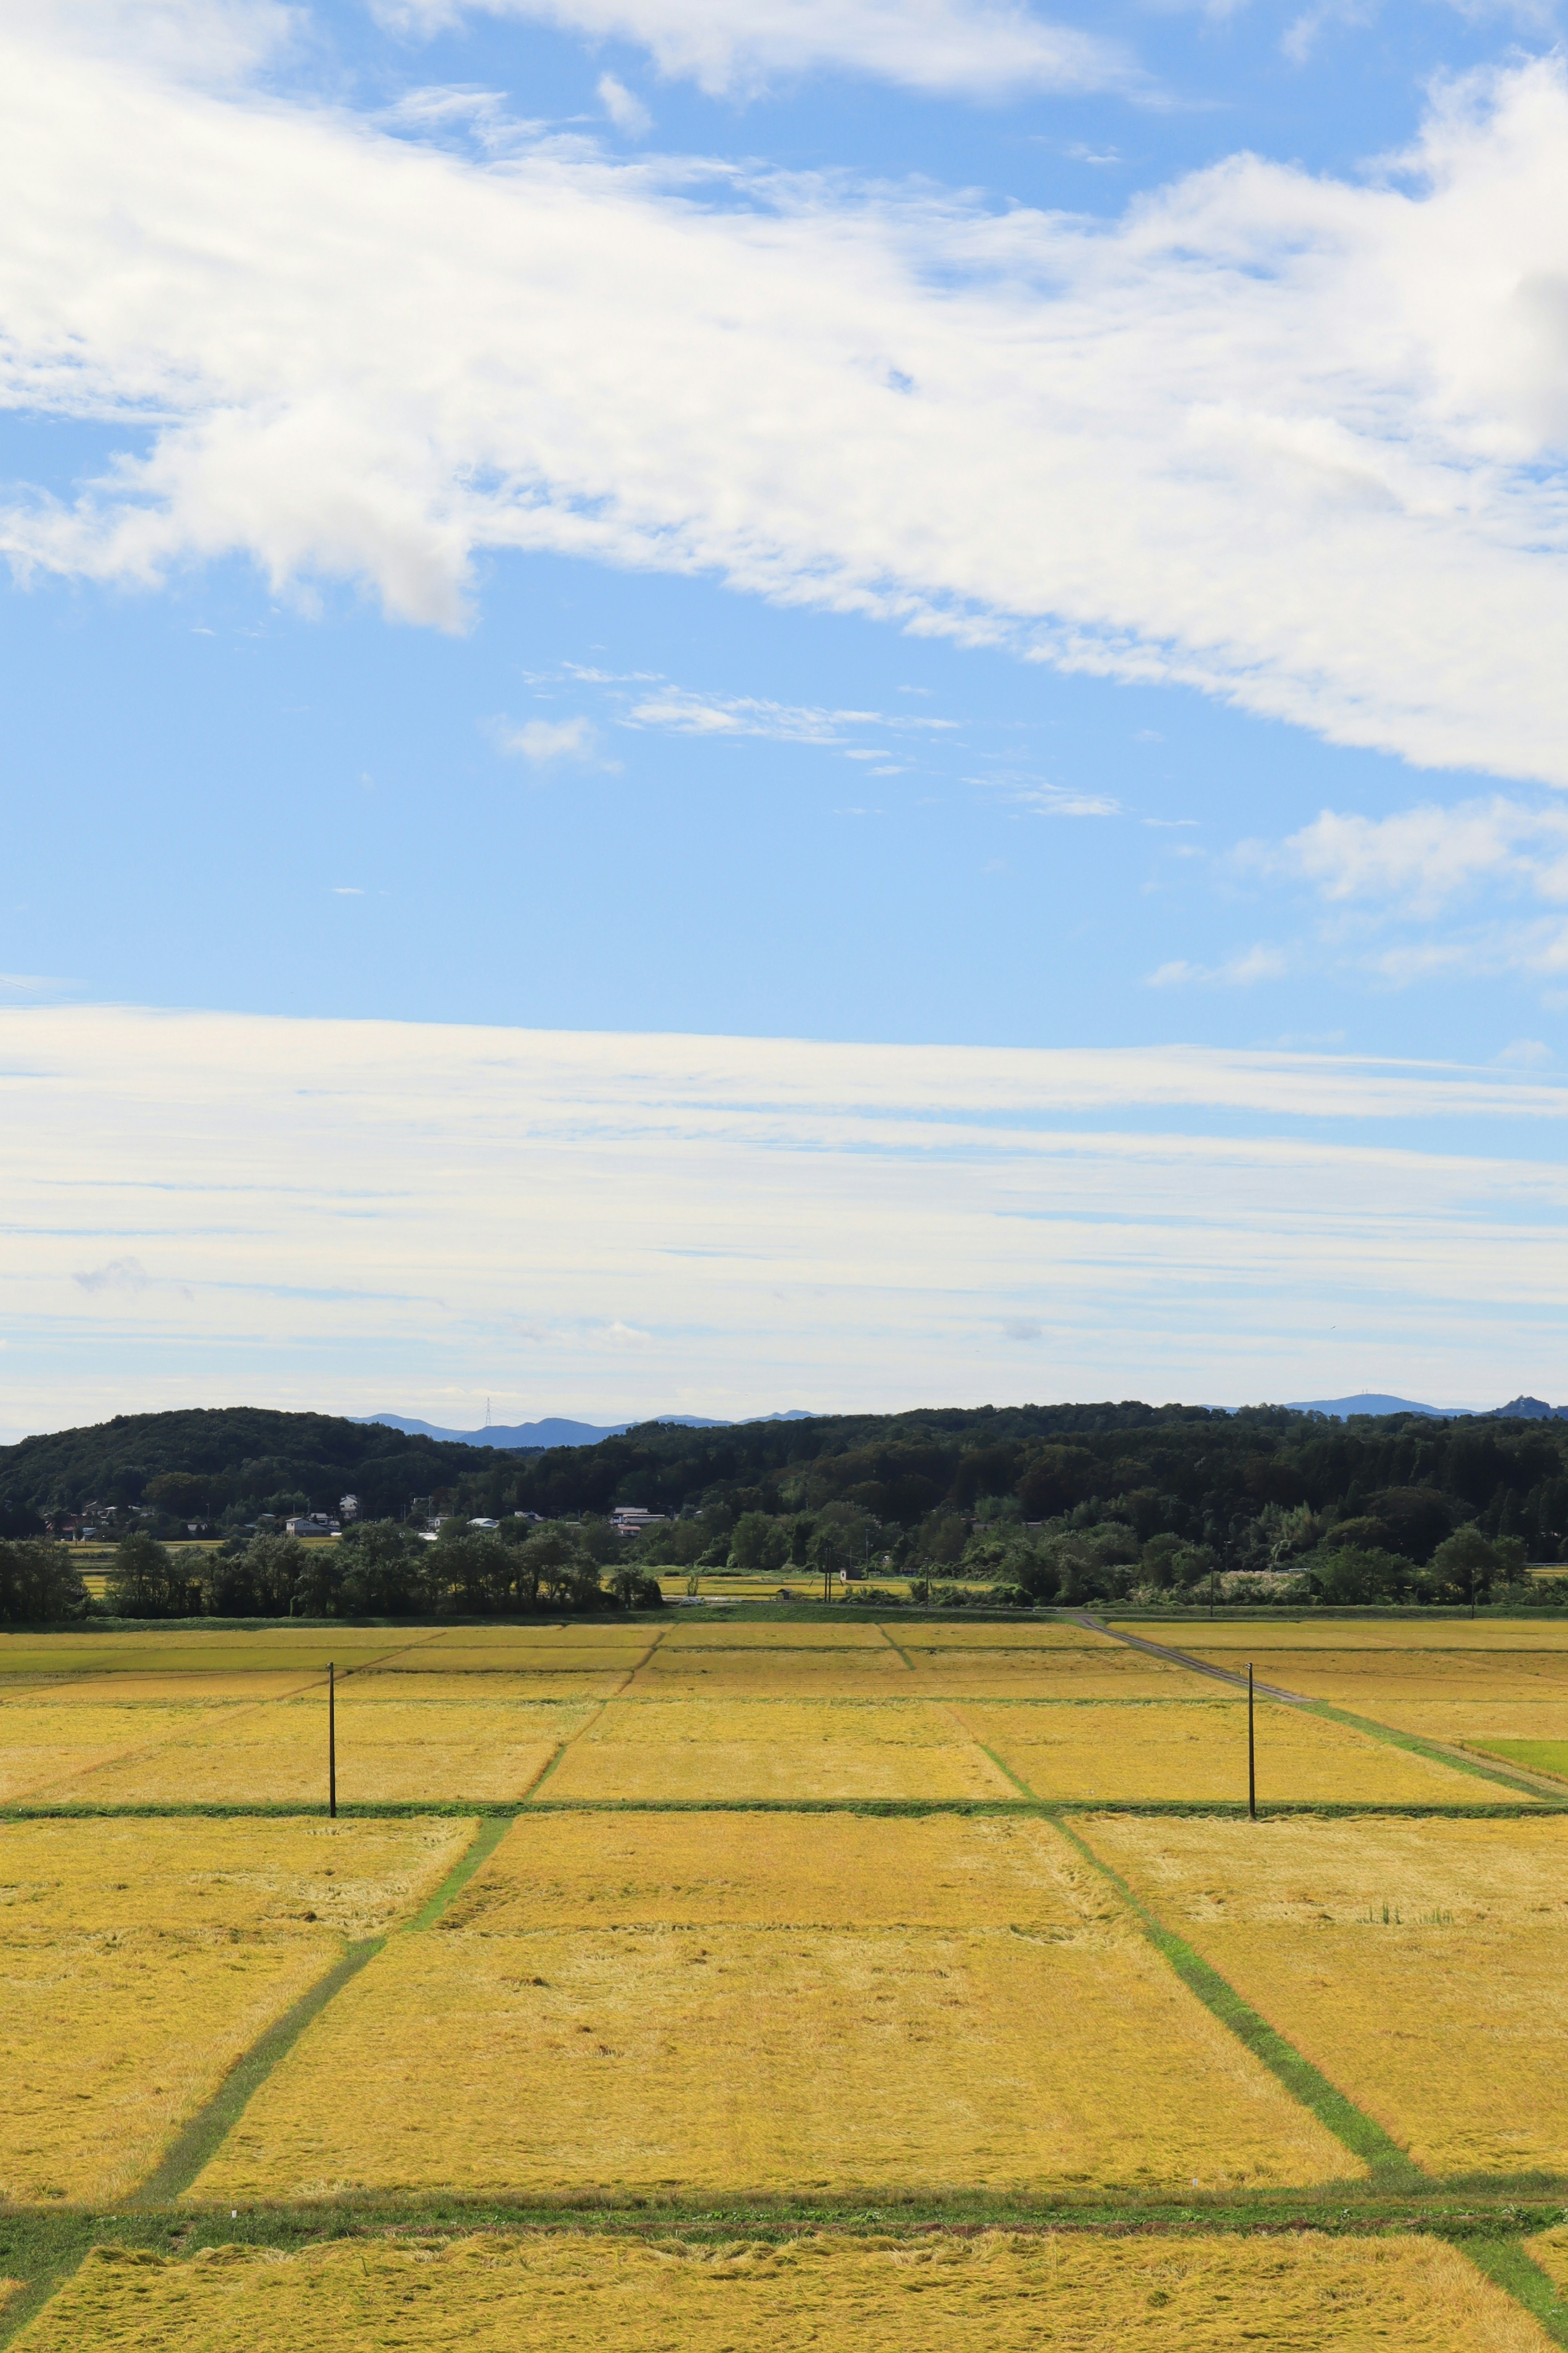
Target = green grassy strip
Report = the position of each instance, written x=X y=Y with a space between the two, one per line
x=490 y=1834
x=1390 y=2167
x=39 y=2287
x=507 y=1809
x=1508 y=2266
x=211 y=2126
x=192 y=2148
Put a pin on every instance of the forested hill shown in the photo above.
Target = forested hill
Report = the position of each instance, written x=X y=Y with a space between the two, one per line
x=1187 y=1472
x=236 y=1461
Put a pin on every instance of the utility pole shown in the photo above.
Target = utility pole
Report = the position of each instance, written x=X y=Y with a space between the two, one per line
x=332 y=1742
x=1251 y=1752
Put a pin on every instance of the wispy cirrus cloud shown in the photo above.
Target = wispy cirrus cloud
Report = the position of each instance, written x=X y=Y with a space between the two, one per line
x=712 y=1224
x=1242 y=970
x=973 y=49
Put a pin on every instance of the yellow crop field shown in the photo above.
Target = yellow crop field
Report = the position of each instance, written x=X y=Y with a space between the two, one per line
x=698 y=1672
x=704 y=2055
x=1197 y=1749
x=387 y=1749
x=1411 y=1633
x=638 y=1871
x=1422 y=1965
x=786 y=1635
x=775 y=1749
x=512 y=1659
x=172 y=1650
x=44 y=1747
x=1039 y=1634
x=998 y=2292
x=132 y=1690
x=138 y=1959
x=1109 y=1673
x=1550 y=2249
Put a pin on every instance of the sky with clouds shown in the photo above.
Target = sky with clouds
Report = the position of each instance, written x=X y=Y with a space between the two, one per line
x=903 y=524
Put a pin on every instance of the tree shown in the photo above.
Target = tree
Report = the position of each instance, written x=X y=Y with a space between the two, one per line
x=37 y=1584
x=1469 y=1563
x=260 y=1580
x=759 y=1542
x=1350 y=1575
x=147 y=1581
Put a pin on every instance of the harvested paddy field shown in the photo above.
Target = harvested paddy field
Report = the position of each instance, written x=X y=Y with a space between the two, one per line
x=751 y=1748
x=1414 y=1631
x=138 y=1959
x=391 y=1747
x=1111 y=1673
x=1195 y=1750
x=696 y=1672
x=636 y=1871
x=1421 y=1965
x=692 y=2054
x=764 y=1935
x=1001 y=2292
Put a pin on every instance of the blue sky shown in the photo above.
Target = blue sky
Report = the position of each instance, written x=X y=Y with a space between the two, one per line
x=901 y=522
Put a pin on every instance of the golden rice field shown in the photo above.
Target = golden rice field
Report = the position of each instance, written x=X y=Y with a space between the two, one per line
x=1000 y=2292
x=690 y=1970
x=853 y=1634
x=138 y=1959
x=695 y=2054
x=1411 y=1633
x=1196 y=1749
x=1419 y=1964
x=640 y=1870
x=1109 y=1673
x=751 y=1748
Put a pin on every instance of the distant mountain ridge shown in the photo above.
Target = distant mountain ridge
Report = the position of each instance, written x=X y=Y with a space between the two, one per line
x=1371 y=1401
x=554 y=1430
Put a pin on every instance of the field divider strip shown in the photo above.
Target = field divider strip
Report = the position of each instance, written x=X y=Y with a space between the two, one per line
x=571 y=1739
x=403 y=1809
x=29 y=2299
x=1389 y=2166
x=199 y=2141
x=1509 y=2264
x=484 y=1843
x=194 y=2147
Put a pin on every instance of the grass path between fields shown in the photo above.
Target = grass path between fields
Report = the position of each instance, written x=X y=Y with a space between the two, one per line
x=198 y=2141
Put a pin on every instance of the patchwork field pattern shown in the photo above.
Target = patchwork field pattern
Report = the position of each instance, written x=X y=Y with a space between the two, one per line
x=1002 y=2293
x=1422 y=1965
x=693 y=2053
x=782 y=1929
x=138 y=1959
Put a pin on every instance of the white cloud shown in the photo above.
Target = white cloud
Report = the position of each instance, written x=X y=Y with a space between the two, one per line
x=625 y=110
x=1254 y=964
x=1422 y=858
x=678 y=711
x=976 y=49
x=376 y=1208
x=1526 y=1054
x=540 y=741
x=1294 y=440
